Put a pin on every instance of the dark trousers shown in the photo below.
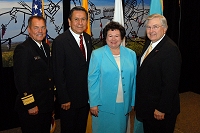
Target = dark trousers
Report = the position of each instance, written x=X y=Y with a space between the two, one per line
x=39 y=123
x=74 y=120
x=160 y=126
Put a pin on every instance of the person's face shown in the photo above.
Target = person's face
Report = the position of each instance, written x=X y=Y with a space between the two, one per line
x=155 y=30
x=113 y=39
x=37 y=30
x=78 y=22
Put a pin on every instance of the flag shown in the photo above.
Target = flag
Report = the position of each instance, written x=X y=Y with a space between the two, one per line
x=89 y=121
x=118 y=15
x=37 y=8
x=138 y=126
x=85 y=5
x=156 y=6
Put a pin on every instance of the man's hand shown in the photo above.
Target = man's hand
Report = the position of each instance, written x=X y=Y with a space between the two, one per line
x=159 y=115
x=33 y=111
x=94 y=111
x=66 y=106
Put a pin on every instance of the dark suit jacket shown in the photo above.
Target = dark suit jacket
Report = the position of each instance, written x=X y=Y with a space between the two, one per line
x=71 y=69
x=33 y=76
x=158 y=80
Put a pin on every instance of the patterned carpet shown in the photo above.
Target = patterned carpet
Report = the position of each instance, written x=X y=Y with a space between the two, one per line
x=188 y=120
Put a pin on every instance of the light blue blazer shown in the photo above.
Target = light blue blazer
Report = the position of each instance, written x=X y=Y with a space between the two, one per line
x=103 y=78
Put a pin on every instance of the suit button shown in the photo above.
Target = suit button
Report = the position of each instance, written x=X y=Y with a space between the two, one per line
x=49 y=79
x=54 y=88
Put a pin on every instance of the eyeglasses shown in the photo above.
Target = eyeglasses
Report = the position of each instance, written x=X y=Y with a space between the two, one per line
x=154 y=27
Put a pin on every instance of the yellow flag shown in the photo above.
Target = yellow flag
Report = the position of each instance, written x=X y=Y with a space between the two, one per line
x=85 y=5
x=43 y=9
x=89 y=121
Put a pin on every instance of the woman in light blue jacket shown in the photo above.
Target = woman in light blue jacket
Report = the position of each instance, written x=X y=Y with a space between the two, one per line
x=111 y=82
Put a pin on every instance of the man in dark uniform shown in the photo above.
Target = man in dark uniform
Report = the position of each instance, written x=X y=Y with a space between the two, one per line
x=33 y=79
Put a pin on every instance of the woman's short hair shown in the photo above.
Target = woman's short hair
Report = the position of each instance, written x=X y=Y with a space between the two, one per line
x=114 y=26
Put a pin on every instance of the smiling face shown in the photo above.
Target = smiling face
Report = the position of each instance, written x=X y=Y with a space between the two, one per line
x=78 y=21
x=155 y=30
x=37 y=29
x=113 y=38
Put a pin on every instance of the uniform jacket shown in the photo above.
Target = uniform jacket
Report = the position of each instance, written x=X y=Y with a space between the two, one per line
x=70 y=69
x=33 y=77
x=103 y=78
x=158 y=80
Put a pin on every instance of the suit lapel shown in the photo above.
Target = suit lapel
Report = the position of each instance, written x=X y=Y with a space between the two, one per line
x=152 y=53
x=87 y=41
x=122 y=59
x=38 y=50
x=72 y=42
x=110 y=56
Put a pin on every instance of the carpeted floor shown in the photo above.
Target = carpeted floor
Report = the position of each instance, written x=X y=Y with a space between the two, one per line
x=188 y=120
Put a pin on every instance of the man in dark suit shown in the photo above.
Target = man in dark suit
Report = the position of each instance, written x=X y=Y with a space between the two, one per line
x=33 y=79
x=71 y=70
x=157 y=97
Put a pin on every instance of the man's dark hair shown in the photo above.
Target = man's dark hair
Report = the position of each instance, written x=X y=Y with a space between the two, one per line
x=77 y=8
x=37 y=17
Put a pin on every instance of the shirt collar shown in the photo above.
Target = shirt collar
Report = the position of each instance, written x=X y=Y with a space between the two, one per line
x=154 y=44
x=39 y=44
x=73 y=33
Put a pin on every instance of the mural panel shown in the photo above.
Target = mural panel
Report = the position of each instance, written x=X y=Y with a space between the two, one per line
x=135 y=13
x=14 y=15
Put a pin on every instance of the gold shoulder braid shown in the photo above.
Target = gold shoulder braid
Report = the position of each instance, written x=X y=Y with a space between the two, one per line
x=28 y=99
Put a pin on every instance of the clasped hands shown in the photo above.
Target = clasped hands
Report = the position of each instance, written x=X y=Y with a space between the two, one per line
x=33 y=111
x=66 y=106
x=159 y=115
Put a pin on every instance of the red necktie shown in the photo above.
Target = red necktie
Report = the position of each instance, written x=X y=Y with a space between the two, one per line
x=81 y=45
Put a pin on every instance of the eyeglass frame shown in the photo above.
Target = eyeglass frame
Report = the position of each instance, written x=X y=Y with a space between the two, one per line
x=154 y=27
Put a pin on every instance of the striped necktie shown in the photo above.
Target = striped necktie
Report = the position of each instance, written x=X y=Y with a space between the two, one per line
x=42 y=48
x=148 y=51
